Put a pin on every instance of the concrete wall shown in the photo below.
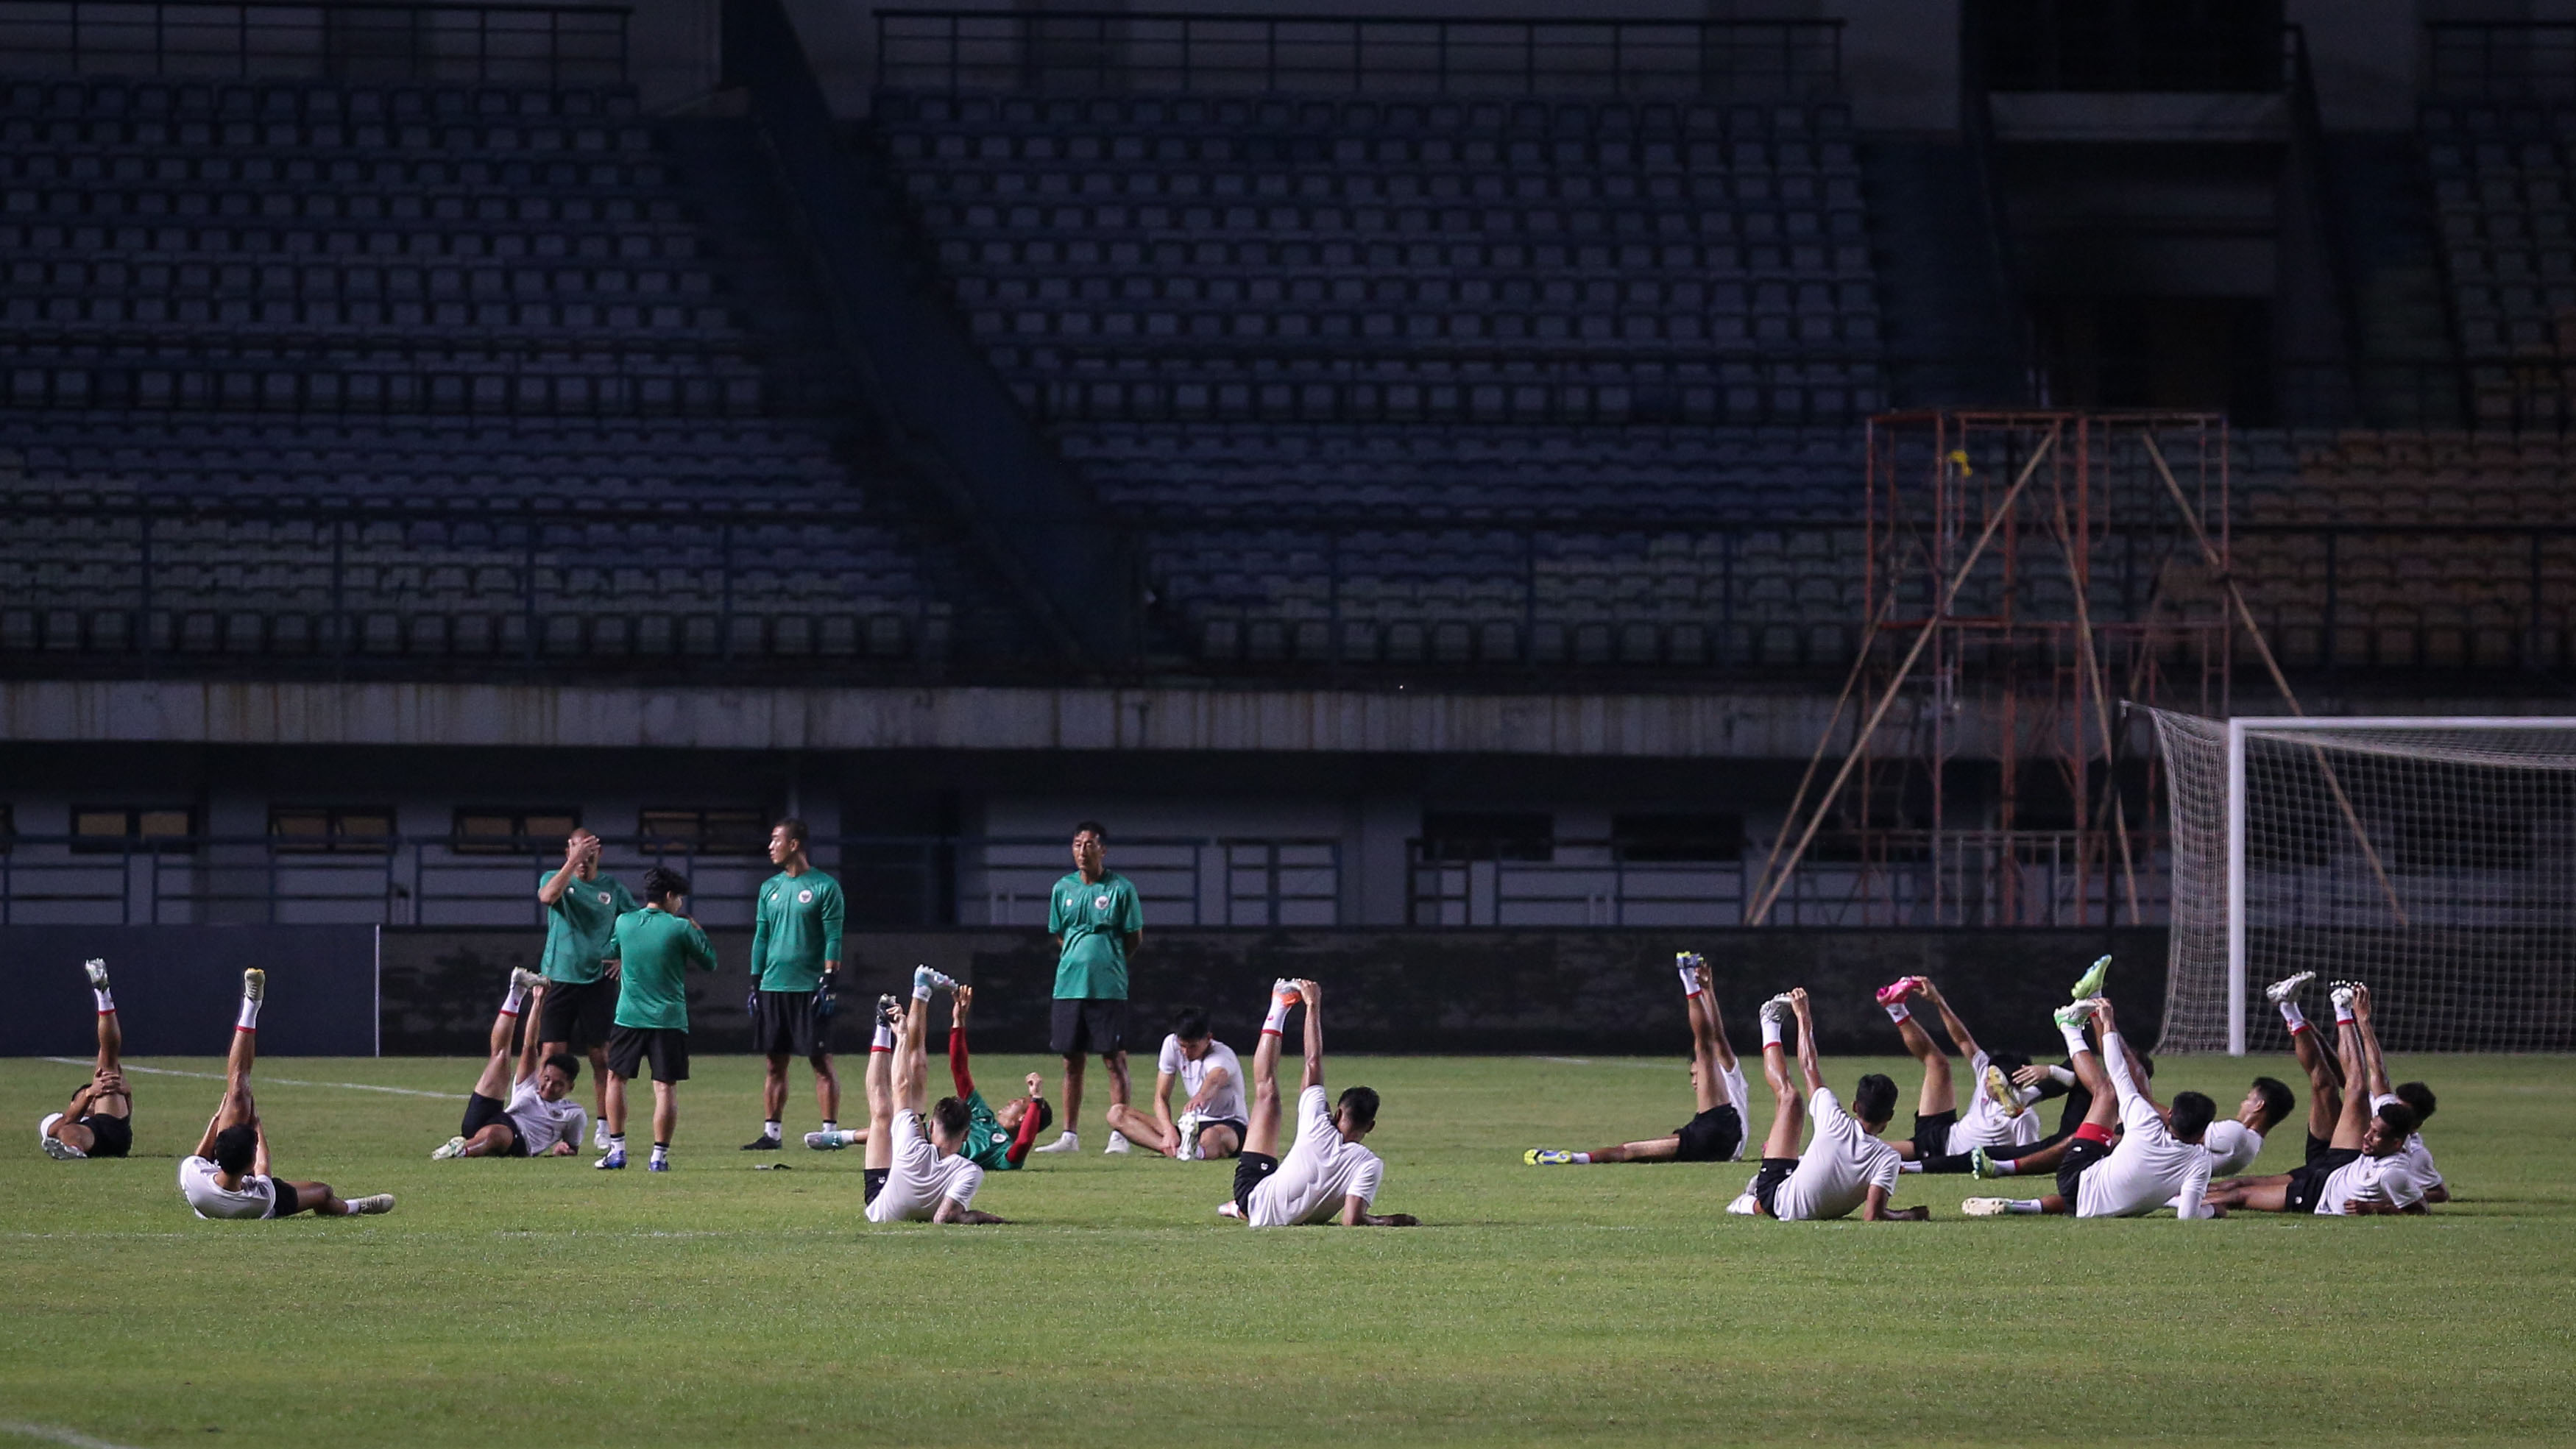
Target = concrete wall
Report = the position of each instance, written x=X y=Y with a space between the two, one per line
x=177 y=988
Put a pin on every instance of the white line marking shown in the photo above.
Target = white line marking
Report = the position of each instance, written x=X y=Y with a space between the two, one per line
x=53 y=1434
x=1589 y=1062
x=270 y=1081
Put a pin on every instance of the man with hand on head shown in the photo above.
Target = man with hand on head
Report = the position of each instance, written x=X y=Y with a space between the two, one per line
x=795 y=958
x=582 y=906
x=1097 y=923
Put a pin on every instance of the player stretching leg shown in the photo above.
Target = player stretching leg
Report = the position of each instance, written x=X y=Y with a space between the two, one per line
x=2325 y=1078
x=2159 y=1158
x=915 y=1172
x=1211 y=1123
x=1716 y=1134
x=2364 y=1166
x=99 y=1121
x=228 y=1175
x=1998 y=1115
x=521 y=1113
x=997 y=1139
x=1327 y=1176
x=1846 y=1167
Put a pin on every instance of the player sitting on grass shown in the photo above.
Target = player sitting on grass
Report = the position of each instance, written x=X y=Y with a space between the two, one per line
x=1327 y=1176
x=1997 y=1114
x=2157 y=1161
x=522 y=1113
x=2325 y=1079
x=228 y=1175
x=1846 y=1167
x=99 y=1121
x=656 y=948
x=1211 y=1122
x=1716 y=1134
x=2363 y=1167
x=915 y=1171
x=997 y=1139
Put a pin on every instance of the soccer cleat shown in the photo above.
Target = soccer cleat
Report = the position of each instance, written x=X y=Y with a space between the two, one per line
x=1981 y=1163
x=2341 y=996
x=254 y=984
x=890 y=1011
x=658 y=1164
x=832 y=1141
x=1118 y=1143
x=763 y=1143
x=615 y=1159
x=1743 y=1206
x=525 y=979
x=364 y=1207
x=1983 y=1207
x=1897 y=990
x=57 y=1149
x=2073 y=1015
x=2090 y=983
x=1547 y=1157
x=452 y=1147
x=2287 y=988
x=2005 y=1094
x=97 y=970
x=1227 y=1209
x=1776 y=1010
x=1066 y=1143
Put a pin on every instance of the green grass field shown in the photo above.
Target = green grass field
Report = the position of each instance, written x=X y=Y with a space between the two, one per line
x=545 y=1303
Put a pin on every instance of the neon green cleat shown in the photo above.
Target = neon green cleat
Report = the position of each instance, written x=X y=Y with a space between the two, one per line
x=1981 y=1164
x=2074 y=1015
x=2090 y=983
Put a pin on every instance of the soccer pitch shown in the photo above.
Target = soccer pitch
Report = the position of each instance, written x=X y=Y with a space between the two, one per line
x=543 y=1302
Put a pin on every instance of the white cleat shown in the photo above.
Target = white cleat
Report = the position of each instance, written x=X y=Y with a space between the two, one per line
x=1118 y=1143
x=97 y=969
x=452 y=1147
x=1984 y=1207
x=382 y=1202
x=1066 y=1143
x=2341 y=996
x=2287 y=987
x=1744 y=1206
x=254 y=984
x=525 y=979
x=936 y=980
x=1776 y=1009
x=1227 y=1209
x=1189 y=1130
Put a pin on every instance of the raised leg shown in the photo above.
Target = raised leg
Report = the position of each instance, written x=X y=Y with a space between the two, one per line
x=912 y=1059
x=880 y=1084
x=1938 y=1094
x=2325 y=1083
x=495 y=1081
x=1261 y=1134
x=238 y=1106
x=1789 y=1108
x=1708 y=1080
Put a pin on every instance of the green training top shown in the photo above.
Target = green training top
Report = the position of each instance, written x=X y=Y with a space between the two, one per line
x=796 y=928
x=654 y=950
x=578 y=926
x=1094 y=918
x=988 y=1142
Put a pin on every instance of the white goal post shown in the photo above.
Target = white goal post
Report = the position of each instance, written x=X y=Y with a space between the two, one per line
x=2432 y=857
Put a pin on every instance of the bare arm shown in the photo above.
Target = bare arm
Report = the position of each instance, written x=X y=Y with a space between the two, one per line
x=259 y=1158
x=576 y=850
x=1950 y=1022
x=950 y=1212
x=1355 y=1214
x=1876 y=1210
x=1314 y=1034
x=1163 y=1098
x=534 y=1014
x=1807 y=1064
x=2375 y=1065
x=206 y=1144
x=1131 y=941
x=1216 y=1078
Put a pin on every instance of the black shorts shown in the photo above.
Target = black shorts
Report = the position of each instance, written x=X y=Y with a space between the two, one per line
x=287 y=1204
x=1089 y=1025
x=1766 y=1183
x=1242 y=1129
x=1932 y=1134
x=109 y=1136
x=578 y=1014
x=876 y=1181
x=2081 y=1153
x=2308 y=1183
x=628 y=1046
x=482 y=1112
x=785 y=1023
x=1712 y=1136
x=2317 y=1148
x=1250 y=1171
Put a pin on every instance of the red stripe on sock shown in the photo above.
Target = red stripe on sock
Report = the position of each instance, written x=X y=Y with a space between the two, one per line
x=2304 y=1025
x=1274 y=1031
x=2094 y=1132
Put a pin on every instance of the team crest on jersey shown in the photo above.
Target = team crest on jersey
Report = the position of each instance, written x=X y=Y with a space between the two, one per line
x=804 y=898
x=1100 y=903
x=603 y=898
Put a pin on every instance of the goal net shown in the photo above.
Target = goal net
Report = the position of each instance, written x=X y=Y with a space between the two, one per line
x=2434 y=859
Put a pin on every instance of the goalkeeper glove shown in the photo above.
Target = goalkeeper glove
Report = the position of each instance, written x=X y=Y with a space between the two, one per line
x=751 y=1002
x=826 y=995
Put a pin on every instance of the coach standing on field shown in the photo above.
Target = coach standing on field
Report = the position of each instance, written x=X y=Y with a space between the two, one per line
x=1097 y=924
x=795 y=951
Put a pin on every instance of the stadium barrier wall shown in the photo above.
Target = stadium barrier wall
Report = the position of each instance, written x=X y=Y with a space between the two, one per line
x=1604 y=991
x=176 y=987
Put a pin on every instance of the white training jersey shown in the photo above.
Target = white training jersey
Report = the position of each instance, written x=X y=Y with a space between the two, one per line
x=1317 y=1174
x=2419 y=1158
x=198 y=1183
x=1841 y=1164
x=1738 y=1096
x=918 y=1178
x=1983 y=1122
x=2233 y=1146
x=540 y=1123
x=2150 y=1167
x=2390 y=1181
x=1225 y=1104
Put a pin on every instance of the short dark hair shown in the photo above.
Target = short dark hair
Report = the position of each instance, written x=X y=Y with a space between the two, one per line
x=2278 y=1101
x=2401 y=1119
x=566 y=1063
x=1361 y=1103
x=2192 y=1114
x=1190 y=1023
x=1874 y=1100
x=1093 y=827
x=237 y=1147
x=950 y=1114
x=794 y=827
x=2417 y=1096
x=1046 y=1114
x=661 y=883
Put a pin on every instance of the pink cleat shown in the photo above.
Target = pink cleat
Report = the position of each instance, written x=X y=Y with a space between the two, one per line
x=1898 y=989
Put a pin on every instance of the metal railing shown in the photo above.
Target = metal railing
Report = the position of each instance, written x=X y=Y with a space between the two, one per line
x=1104 y=51
x=2501 y=60
x=414 y=880
x=530 y=45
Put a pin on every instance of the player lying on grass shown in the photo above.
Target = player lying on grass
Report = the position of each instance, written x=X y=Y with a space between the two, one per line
x=521 y=1113
x=997 y=1138
x=656 y=948
x=1997 y=1113
x=100 y=1120
x=2325 y=1080
x=1328 y=1177
x=1846 y=1167
x=2233 y=1143
x=1716 y=1133
x=228 y=1175
x=1211 y=1122
x=2363 y=1167
x=2158 y=1160
x=915 y=1171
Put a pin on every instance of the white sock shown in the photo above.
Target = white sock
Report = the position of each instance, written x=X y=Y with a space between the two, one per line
x=661 y=1151
x=249 y=1018
x=2295 y=1019
x=617 y=1142
x=514 y=998
x=2002 y=1167
x=106 y=1001
x=1771 y=1032
x=2075 y=1043
x=772 y=1128
x=2343 y=1013
x=1690 y=981
x=1583 y=1157
x=884 y=1041
x=1276 y=1022
x=2024 y=1205
x=920 y=988
x=1898 y=1011
x=1904 y=1167
x=830 y=1126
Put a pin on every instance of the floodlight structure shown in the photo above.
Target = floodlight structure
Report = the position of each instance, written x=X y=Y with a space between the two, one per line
x=2028 y=572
